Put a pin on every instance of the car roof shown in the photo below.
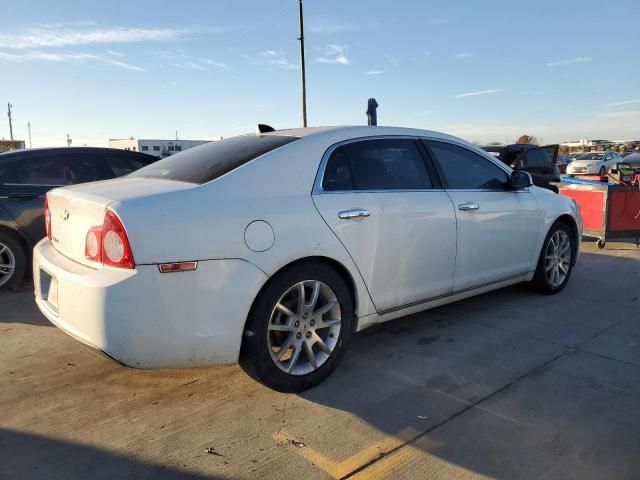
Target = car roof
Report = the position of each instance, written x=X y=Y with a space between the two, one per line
x=346 y=132
x=32 y=151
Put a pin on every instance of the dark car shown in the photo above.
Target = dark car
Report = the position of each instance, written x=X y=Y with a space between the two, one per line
x=27 y=175
x=540 y=162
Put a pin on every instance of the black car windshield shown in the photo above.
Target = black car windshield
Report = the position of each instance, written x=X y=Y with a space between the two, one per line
x=590 y=156
x=212 y=160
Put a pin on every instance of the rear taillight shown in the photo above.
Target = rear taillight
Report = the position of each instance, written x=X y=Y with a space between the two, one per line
x=47 y=217
x=109 y=244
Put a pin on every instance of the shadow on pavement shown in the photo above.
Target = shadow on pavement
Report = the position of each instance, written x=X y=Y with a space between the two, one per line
x=57 y=459
x=497 y=384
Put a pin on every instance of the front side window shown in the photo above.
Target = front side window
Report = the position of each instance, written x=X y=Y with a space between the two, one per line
x=124 y=164
x=378 y=164
x=466 y=170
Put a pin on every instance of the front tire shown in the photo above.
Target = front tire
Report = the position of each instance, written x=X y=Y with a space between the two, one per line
x=298 y=328
x=556 y=260
x=13 y=260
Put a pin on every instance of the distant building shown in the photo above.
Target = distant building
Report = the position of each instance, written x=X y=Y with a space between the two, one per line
x=157 y=148
x=8 y=145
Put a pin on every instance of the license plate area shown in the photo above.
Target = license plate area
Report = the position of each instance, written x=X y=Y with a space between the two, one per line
x=49 y=290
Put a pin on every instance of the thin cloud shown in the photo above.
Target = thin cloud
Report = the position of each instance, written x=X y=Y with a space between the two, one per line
x=334 y=54
x=374 y=72
x=481 y=92
x=570 y=61
x=463 y=55
x=624 y=102
x=66 y=36
x=275 y=59
x=115 y=54
x=172 y=84
x=330 y=26
x=213 y=63
x=36 y=55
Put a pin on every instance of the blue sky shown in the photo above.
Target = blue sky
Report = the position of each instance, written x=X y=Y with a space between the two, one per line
x=483 y=70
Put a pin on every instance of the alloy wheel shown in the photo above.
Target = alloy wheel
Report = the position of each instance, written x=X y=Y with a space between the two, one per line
x=304 y=327
x=558 y=258
x=7 y=264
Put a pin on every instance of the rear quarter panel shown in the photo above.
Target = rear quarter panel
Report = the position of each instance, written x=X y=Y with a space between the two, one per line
x=209 y=221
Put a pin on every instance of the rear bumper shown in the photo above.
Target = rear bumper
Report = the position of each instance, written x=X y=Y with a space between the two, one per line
x=146 y=319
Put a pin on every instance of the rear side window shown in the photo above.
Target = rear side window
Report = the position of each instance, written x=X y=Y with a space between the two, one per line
x=8 y=165
x=212 y=160
x=57 y=169
x=124 y=164
x=466 y=170
x=383 y=164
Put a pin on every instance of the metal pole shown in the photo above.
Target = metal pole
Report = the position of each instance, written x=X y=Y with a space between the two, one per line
x=10 y=122
x=304 y=83
x=29 y=128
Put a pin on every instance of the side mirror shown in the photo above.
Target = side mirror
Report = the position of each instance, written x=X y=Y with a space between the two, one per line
x=520 y=180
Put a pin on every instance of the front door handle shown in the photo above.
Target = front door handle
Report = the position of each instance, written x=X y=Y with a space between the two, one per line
x=353 y=213
x=468 y=206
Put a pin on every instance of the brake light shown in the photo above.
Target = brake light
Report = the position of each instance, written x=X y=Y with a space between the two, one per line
x=109 y=244
x=47 y=218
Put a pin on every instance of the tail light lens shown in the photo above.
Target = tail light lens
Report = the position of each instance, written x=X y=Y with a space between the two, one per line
x=47 y=217
x=108 y=244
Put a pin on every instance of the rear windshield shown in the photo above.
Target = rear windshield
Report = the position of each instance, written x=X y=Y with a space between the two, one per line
x=212 y=160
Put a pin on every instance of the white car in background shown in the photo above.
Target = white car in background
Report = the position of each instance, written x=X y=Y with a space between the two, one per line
x=593 y=163
x=274 y=248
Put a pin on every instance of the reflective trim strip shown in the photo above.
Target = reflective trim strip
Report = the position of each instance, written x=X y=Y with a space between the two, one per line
x=177 y=267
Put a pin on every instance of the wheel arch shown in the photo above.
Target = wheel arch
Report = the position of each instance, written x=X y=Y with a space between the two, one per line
x=331 y=262
x=572 y=224
x=19 y=237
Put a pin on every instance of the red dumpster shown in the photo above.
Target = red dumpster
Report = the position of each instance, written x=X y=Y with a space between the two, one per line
x=609 y=211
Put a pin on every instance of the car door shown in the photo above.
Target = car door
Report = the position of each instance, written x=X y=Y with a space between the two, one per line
x=497 y=227
x=383 y=202
x=38 y=173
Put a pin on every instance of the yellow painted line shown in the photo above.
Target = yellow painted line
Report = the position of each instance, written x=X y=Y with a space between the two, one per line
x=344 y=467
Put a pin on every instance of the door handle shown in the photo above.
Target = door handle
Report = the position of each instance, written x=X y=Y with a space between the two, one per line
x=354 y=213
x=23 y=196
x=468 y=206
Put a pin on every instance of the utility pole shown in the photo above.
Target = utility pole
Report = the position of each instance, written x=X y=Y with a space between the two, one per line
x=68 y=140
x=304 y=84
x=29 y=129
x=9 y=106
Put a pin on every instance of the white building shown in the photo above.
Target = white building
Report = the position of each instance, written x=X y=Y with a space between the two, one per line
x=157 y=148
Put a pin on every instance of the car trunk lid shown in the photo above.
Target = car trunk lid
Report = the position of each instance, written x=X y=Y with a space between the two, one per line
x=75 y=210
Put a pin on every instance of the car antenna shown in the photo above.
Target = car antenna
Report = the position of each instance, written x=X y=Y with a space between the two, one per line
x=264 y=128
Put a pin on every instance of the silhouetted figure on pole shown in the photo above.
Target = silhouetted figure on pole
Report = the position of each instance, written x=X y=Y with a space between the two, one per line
x=372 y=116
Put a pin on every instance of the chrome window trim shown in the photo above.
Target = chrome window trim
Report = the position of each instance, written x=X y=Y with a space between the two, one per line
x=317 y=184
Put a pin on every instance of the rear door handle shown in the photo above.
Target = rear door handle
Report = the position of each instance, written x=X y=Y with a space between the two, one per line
x=23 y=196
x=468 y=206
x=353 y=213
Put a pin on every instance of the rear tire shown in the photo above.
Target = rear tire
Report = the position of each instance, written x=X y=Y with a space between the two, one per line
x=556 y=260
x=290 y=345
x=13 y=260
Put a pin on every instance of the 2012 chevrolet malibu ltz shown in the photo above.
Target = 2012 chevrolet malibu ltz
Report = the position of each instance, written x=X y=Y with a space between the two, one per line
x=274 y=248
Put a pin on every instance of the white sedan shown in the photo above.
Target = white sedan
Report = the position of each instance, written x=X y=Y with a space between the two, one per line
x=274 y=248
x=593 y=163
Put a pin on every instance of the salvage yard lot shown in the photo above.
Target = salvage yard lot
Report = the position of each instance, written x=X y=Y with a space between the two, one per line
x=506 y=385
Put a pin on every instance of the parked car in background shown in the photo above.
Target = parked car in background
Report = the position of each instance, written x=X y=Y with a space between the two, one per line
x=593 y=163
x=27 y=175
x=540 y=162
x=274 y=248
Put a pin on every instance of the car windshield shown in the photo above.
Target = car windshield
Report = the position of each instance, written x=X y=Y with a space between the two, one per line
x=212 y=160
x=590 y=156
